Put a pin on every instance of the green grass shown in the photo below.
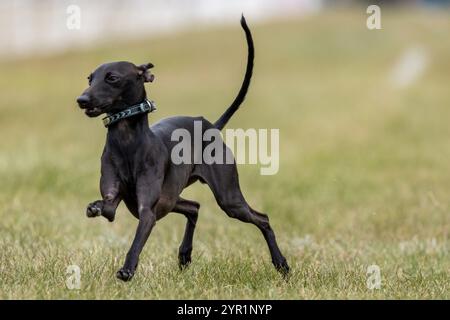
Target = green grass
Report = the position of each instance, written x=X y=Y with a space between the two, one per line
x=364 y=168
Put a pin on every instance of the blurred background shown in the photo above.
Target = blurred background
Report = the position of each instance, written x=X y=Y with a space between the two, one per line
x=31 y=26
x=364 y=146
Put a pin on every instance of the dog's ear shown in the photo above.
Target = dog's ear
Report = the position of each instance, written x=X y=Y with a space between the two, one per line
x=143 y=71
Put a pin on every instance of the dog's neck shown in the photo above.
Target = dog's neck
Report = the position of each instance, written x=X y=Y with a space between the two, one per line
x=135 y=124
x=128 y=130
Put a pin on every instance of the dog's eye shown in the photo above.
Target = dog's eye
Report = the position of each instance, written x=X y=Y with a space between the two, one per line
x=111 y=78
x=89 y=79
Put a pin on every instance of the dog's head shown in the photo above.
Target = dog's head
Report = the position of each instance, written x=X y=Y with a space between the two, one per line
x=114 y=87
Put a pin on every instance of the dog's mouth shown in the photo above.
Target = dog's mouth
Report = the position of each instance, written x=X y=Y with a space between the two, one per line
x=95 y=111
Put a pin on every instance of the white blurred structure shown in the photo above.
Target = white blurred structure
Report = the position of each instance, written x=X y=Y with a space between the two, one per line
x=411 y=65
x=40 y=26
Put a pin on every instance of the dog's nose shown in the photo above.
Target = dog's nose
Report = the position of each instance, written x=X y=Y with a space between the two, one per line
x=83 y=101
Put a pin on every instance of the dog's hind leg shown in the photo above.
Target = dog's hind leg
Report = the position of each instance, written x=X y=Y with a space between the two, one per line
x=190 y=210
x=224 y=183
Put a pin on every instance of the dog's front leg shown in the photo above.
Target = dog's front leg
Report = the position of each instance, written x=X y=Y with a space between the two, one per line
x=109 y=188
x=147 y=196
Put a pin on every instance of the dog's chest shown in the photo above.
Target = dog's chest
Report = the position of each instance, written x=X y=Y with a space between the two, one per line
x=127 y=169
x=125 y=163
x=128 y=155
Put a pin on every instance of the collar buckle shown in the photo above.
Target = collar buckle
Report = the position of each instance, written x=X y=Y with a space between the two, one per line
x=151 y=105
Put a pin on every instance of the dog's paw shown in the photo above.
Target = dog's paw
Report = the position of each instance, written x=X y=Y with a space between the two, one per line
x=184 y=260
x=125 y=274
x=283 y=268
x=94 y=209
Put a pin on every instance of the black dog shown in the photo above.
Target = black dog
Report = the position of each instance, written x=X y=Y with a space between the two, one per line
x=136 y=166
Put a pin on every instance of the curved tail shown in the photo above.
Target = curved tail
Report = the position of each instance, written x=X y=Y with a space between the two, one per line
x=220 y=124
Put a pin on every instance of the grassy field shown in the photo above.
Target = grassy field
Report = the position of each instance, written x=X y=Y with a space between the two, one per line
x=364 y=167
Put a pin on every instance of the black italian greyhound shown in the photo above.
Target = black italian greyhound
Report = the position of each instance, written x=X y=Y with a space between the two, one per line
x=136 y=164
